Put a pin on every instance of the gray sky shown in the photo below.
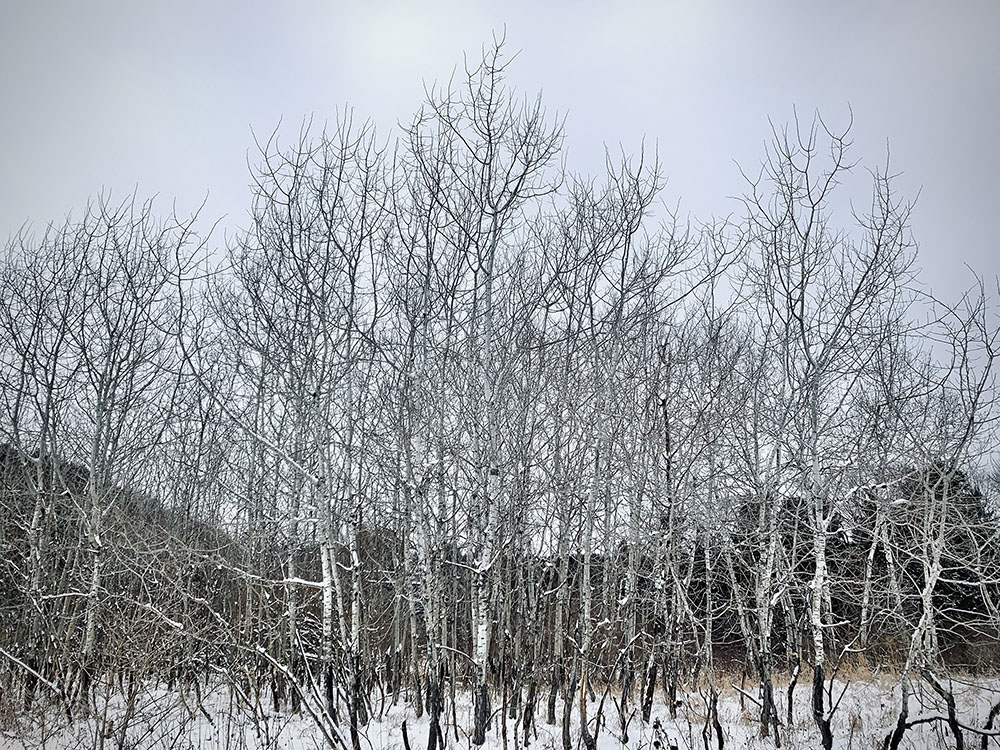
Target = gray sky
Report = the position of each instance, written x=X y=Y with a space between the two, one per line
x=162 y=96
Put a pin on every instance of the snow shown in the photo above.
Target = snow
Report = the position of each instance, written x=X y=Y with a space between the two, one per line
x=225 y=721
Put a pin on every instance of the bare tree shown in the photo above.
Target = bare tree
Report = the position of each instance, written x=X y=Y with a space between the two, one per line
x=482 y=158
x=824 y=293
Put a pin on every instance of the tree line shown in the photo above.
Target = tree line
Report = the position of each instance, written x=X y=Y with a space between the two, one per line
x=443 y=418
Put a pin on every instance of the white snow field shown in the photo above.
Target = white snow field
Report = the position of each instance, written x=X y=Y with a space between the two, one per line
x=170 y=720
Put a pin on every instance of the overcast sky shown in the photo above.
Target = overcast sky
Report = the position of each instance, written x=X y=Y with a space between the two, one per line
x=162 y=97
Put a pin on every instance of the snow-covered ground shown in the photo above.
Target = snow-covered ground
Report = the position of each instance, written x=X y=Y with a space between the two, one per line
x=162 y=719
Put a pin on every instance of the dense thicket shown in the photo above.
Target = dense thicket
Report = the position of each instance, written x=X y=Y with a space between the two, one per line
x=442 y=417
